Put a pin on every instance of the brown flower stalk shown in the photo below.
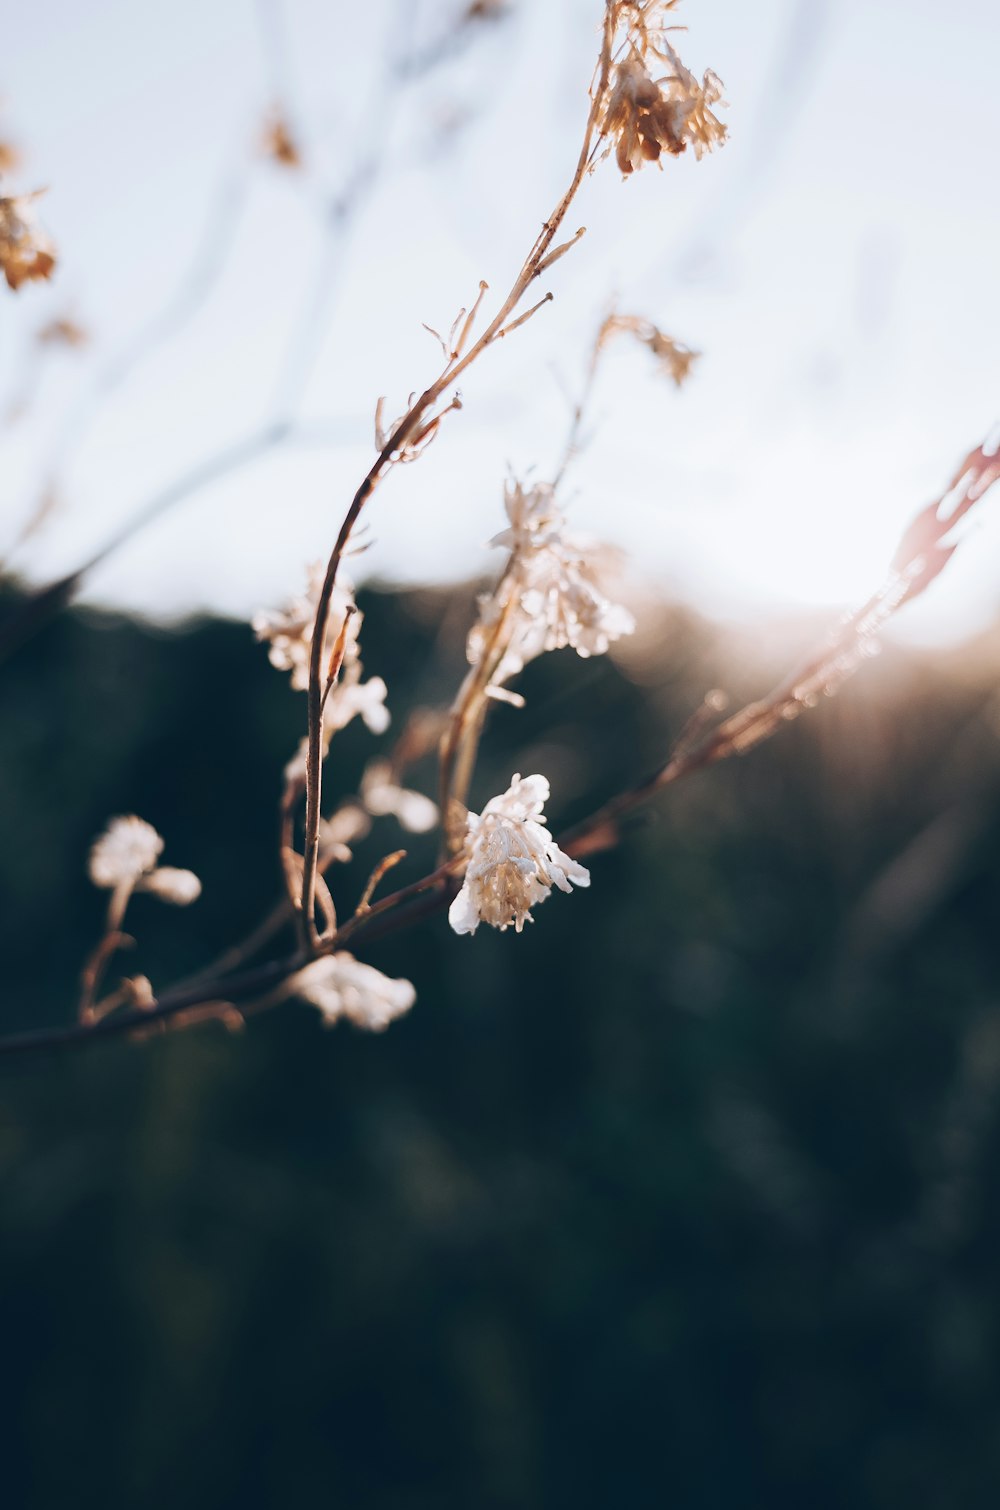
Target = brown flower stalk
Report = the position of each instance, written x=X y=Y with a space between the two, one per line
x=414 y=423
x=922 y=554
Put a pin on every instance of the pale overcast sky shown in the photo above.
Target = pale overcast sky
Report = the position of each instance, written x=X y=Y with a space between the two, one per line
x=837 y=264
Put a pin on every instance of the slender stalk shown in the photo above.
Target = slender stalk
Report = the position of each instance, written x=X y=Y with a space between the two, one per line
x=407 y=428
x=469 y=714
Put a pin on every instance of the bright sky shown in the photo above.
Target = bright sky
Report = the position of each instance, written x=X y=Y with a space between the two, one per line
x=837 y=264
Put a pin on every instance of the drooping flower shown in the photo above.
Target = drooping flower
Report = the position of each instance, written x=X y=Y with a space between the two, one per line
x=26 y=251
x=383 y=796
x=647 y=116
x=513 y=860
x=342 y=987
x=126 y=855
x=288 y=633
x=675 y=358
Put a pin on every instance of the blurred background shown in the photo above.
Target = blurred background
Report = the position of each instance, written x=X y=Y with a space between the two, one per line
x=689 y=1194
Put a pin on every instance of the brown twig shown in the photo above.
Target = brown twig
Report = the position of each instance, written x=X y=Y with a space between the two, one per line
x=398 y=910
x=921 y=555
x=403 y=433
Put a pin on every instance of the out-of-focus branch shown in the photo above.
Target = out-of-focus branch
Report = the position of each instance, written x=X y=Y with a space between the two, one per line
x=339 y=209
x=923 y=552
x=33 y=612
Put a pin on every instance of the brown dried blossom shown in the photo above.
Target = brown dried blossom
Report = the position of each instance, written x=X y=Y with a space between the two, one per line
x=646 y=115
x=10 y=157
x=26 y=251
x=674 y=357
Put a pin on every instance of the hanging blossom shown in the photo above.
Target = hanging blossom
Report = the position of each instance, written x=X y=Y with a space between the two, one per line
x=288 y=633
x=550 y=595
x=674 y=357
x=341 y=987
x=25 y=250
x=647 y=116
x=383 y=796
x=126 y=855
x=513 y=860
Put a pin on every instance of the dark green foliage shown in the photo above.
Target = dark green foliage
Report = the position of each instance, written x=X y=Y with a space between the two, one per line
x=690 y=1196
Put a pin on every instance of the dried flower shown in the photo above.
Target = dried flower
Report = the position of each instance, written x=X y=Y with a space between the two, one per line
x=288 y=633
x=513 y=860
x=25 y=250
x=341 y=987
x=674 y=357
x=10 y=157
x=382 y=796
x=648 y=116
x=128 y=849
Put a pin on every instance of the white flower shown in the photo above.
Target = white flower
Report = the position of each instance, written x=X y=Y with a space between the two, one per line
x=338 y=832
x=128 y=849
x=181 y=887
x=550 y=596
x=288 y=633
x=513 y=860
x=381 y=796
x=125 y=856
x=340 y=986
x=352 y=696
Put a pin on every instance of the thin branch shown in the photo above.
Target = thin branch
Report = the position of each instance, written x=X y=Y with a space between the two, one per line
x=404 y=431
x=923 y=553
x=395 y=911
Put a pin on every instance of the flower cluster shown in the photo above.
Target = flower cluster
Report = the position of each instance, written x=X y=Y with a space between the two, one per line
x=513 y=860
x=25 y=250
x=549 y=597
x=125 y=857
x=341 y=987
x=288 y=633
x=648 y=116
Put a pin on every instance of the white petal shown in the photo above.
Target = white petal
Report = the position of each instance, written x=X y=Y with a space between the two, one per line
x=462 y=914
